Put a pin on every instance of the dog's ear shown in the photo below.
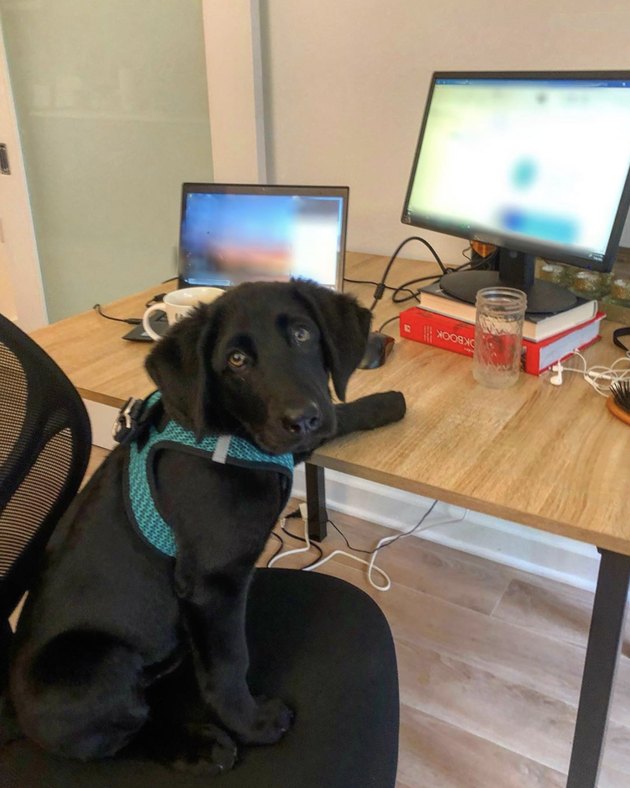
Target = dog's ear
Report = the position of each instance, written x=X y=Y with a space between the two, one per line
x=179 y=366
x=344 y=327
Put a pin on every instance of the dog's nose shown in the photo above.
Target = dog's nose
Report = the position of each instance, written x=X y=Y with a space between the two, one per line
x=300 y=421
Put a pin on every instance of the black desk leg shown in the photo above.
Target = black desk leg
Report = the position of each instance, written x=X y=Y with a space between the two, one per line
x=604 y=644
x=316 y=502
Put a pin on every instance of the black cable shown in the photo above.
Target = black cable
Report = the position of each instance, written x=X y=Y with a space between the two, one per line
x=387 y=322
x=364 y=282
x=376 y=284
x=281 y=545
x=283 y=528
x=345 y=539
x=474 y=265
x=158 y=298
x=406 y=286
x=278 y=549
x=416 y=293
x=376 y=549
x=395 y=539
x=320 y=552
x=132 y=321
x=411 y=530
x=296 y=513
x=315 y=560
x=380 y=288
x=368 y=282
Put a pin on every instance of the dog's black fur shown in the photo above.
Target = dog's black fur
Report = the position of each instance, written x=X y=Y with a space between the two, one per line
x=118 y=642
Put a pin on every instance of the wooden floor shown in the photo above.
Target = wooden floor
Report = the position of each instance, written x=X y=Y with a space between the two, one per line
x=490 y=662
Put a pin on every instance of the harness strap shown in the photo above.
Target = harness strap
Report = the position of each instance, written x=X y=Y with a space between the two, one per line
x=140 y=497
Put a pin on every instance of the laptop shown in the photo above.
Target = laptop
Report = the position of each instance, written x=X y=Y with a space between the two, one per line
x=236 y=233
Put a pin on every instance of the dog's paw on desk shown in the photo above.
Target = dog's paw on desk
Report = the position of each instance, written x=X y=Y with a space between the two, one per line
x=370 y=412
x=391 y=405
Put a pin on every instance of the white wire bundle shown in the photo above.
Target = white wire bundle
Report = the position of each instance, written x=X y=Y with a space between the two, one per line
x=599 y=377
x=371 y=564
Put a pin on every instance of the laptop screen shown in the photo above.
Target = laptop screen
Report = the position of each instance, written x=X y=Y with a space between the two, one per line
x=231 y=234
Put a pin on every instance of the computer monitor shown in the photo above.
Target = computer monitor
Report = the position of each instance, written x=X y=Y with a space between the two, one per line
x=234 y=233
x=536 y=163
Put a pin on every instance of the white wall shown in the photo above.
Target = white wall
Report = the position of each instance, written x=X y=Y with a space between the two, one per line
x=235 y=90
x=346 y=84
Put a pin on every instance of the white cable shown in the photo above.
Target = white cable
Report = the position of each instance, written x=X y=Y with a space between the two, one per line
x=599 y=377
x=380 y=545
x=291 y=552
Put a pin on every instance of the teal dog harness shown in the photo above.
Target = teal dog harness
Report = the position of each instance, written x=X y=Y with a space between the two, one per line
x=140 y=484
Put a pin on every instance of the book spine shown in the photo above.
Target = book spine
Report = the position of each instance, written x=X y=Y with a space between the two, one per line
x=438 y=330
x=530 y=357
x=458 y=336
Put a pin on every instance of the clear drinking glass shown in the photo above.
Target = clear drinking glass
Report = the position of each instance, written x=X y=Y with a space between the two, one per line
x=498 y=336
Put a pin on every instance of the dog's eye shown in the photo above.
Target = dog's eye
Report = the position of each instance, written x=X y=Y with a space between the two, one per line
x=301 y=334
x=237 y=359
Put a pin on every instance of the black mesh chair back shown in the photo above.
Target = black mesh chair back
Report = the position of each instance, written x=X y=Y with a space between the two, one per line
x=45 y=442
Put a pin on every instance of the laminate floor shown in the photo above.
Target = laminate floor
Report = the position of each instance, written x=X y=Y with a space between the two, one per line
x=490 y=663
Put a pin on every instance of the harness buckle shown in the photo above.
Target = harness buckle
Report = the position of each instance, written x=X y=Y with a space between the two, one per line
x=126 y=424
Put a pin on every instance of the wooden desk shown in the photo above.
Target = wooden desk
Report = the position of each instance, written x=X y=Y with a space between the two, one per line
x=552 y=458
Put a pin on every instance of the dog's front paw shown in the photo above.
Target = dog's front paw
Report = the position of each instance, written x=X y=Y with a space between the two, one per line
x=205 y=749
x=394 y=405
x=272 y=720
x=383 y=408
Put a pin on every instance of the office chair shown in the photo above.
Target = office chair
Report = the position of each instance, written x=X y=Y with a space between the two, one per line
x=45 y=442
x=318 y=642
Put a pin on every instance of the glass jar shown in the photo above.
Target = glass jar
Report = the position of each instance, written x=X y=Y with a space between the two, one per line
x=498 y=336
x=620 y=291
x=590 y=284
x=553 y=272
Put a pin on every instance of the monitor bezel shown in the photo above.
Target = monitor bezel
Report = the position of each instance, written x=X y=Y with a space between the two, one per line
x=269 y=189
x=538 y=248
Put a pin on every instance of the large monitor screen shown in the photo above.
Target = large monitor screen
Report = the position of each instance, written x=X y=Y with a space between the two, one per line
x=231 y=234
x=538 y=163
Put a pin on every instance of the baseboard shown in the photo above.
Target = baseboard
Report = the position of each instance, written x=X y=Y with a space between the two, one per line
x=102 y=419
x=529 y=549
x=547 y=555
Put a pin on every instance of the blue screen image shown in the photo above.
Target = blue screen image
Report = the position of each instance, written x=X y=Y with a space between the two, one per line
x=230 y=238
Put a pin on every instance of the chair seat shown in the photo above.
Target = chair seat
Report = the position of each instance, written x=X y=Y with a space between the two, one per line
x=325 y=648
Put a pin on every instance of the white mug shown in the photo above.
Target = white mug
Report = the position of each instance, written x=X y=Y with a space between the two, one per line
x=178 y=304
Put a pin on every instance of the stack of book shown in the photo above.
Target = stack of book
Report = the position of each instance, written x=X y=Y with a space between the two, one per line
x=448 y=323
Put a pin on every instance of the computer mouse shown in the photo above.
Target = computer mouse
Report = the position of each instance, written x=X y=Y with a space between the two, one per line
x=377 y=350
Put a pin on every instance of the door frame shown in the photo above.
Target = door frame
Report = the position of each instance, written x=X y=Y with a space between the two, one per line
x=18 y=255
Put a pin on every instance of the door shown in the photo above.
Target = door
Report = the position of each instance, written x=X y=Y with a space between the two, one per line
x=21 y=292
x=112 y=108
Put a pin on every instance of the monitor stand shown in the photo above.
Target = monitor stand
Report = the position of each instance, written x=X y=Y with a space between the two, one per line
x=516 y=269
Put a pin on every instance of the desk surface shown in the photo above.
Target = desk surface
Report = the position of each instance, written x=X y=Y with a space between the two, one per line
x=553 y=458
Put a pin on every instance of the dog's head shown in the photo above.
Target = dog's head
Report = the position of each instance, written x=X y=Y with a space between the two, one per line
x=257 y=361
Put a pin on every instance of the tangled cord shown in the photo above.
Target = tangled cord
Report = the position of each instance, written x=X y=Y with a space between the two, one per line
x=599 y=376
x=373 y=553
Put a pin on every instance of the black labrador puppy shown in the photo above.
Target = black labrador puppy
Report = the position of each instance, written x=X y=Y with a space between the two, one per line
x=120 y=641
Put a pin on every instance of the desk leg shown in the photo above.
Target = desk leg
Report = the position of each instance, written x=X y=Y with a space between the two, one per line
x=604 y=643
x=316 y=502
